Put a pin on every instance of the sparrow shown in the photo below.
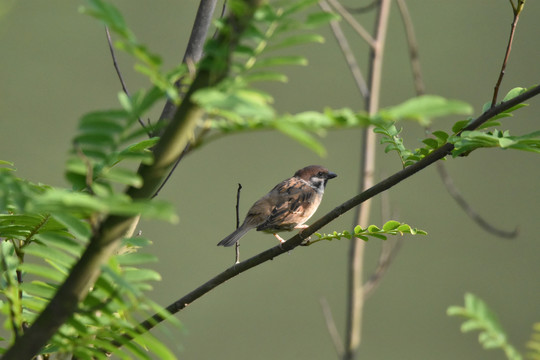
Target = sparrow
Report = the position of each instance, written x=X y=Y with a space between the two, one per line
x=287 y=206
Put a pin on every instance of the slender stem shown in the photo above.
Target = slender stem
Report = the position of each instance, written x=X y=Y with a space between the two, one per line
x=355 y=302
x=413 y=47
x=331 y=326
x=479 y=220
x=347 y=52
x=237 y=245
x=119 y=74
x=517 y=11
x=354 y=24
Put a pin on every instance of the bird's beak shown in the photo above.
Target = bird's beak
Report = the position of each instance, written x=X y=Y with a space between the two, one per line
x=331 y=175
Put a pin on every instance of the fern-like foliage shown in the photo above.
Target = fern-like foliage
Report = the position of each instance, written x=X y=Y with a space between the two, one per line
x=534 y=343
x=481 y=318
x=391 y=227
x=424 y=109
x=37 y=250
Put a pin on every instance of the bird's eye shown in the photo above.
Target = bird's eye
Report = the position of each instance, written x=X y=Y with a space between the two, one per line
x=320 y=173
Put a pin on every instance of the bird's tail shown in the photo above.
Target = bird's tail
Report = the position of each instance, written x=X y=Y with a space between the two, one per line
x=235 y=236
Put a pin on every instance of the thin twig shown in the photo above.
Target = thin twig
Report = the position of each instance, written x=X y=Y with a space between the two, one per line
x=331 y=326
x=365 y=8
x=388 y=252
x=120 y=77
x=237 y=245
x=184 y=152
x=517 y=11
x=352 y=203
x=441 y=168
x=413 y=47
x=347 y=52
x=353 y=23
x=455 y=194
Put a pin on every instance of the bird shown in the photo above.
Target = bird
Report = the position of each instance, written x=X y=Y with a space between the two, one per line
x=287 y=206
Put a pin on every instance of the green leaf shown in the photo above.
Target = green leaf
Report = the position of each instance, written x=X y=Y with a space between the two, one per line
x=391 y=225
x=136 y=259
x=122 y=176
x=39 y=288
x=149 y=341
x=280 y=61
x=460 y=125
x=513 y=93
x=297 y=40
x=320 y=18
x=299 y=134
x=141 y=275
x=265 y=76
x=77 y=227
x=424 y=108
x=60 y=241
x=42 y=271
x=49 y=253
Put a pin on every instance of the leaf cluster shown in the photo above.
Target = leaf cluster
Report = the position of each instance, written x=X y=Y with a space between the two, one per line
x=391 y=227
x=37 y=251
x=424 y=109
x=534 y=343
x=481 y=318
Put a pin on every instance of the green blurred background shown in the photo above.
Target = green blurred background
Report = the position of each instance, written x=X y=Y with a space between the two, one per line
x=55 y=66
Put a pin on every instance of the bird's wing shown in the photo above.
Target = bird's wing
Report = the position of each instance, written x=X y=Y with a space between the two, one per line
x=292 y=202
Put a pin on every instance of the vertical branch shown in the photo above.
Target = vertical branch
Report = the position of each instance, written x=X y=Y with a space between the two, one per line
x=347 y=52
x=194 y=49
x=356 y=251
x=237 y=245
x=331 y=325
x=413 y=47
x=517 y=10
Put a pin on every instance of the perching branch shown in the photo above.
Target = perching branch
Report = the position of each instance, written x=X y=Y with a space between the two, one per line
x=112 y=229
x=297 y=240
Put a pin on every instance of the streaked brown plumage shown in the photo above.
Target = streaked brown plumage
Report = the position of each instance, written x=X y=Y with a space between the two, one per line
x=287 y=206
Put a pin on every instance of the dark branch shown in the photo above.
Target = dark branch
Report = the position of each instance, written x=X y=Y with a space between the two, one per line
x=237 y=245
x=456 y=195
x=517 y=11
x=119 y=74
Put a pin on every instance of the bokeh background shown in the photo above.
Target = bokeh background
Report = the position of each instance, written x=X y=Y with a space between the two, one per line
x=55 y=66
